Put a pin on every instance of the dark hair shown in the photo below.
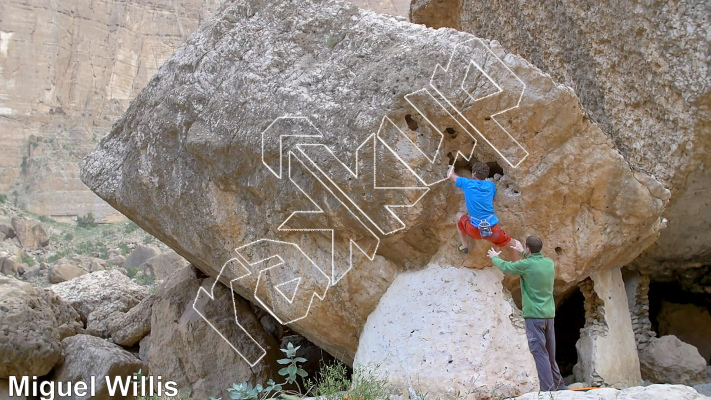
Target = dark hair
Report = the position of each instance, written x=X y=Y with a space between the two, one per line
x=534 y=243
x=480 y=170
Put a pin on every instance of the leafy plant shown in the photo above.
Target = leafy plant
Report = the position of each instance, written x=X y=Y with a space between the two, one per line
x=57 y=256
x=87 y=221
x=3 y=198
x=148 y=240
x=68 y=236
x=367 y=385
x=124 y=248
x=130 y=227
x=45 y=219
x=292 y=369
x=273 y=390
x=331 y=382
x=131 y=272
x=27 y=260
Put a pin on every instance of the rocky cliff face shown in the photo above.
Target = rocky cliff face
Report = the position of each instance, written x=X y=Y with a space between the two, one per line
x=641 y=71
x=67 y=71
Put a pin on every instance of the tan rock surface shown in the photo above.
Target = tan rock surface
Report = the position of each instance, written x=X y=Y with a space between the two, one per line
x=574 y=189
x=68 y=319
x=88 y=356
x=669 y=360
x=30 y=233
x=29 y=339
x=99 y=297
x=417 y=337
x=51 y=118
x=688 y=322
x=640 y=69
x=64 y=272
x=184 y=348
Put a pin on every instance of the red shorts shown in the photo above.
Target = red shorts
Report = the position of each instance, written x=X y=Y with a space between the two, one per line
x=498 y=236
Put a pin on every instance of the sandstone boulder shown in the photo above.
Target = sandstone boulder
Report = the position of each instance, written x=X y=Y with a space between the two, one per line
x=140 y=255
x=68 y=319
x=650 y=91
x=207 y=120
x=419 y=338
x=652 y=392
x=8 y=266
x=30 y=233
x=131 y=327
x=186 y=349
x=29 y=339
x=162 y=265
x=64 y=272
x=88 y=356
x=688 y=322
x=669 y=360
x=95 y=265
x=6 y=232
x=99 y=297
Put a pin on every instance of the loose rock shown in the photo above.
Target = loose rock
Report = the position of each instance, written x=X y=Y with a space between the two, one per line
x=97 y=296
x=29 y=339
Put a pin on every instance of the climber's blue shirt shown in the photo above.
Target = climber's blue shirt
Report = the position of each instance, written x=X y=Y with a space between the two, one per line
x=479 y=196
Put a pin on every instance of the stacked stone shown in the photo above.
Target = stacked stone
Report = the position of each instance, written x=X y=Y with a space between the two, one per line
x=594 y=310
x=639 y=311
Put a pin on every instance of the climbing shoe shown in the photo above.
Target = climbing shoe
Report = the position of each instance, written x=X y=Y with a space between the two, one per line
x=463 y=249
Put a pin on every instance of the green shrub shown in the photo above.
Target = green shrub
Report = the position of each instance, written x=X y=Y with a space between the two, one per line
x=45 y=219
x=130 y=227
x=86 y=221
x=148 y=239
x=57 y=256
x=331 y=382
x=68 y=236
x=131 y=272
x=27 y=260
x=3 y=198
x=124 y=248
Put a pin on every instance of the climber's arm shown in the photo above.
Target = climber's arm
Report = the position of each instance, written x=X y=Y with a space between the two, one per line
x=513 y=268
x=451 y=175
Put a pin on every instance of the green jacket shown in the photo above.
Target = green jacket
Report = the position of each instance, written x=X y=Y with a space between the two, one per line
x=537 y=274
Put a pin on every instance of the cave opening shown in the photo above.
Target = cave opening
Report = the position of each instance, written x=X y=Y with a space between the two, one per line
x=494 y=168
x=675 y=310
x=569 y=320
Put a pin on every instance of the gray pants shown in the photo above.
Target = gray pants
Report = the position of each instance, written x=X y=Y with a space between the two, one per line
x=541 y=342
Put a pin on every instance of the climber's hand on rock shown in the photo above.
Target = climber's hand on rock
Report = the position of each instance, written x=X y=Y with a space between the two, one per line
x=517 y=246
x=451 y=175
x=493 y=253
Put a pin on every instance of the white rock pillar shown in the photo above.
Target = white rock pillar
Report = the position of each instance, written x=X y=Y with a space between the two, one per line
x=607 y=351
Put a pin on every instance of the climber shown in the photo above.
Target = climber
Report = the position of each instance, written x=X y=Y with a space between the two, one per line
x=537 y=274
x=481 y=223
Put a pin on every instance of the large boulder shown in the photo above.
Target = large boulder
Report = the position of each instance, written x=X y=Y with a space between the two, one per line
x=185 y=349
x=88 y=357
x=417 y=337
x=64 y=272
x=6 y=232
x=185 y=162
x=29 y=339
x=129 y=328
x=669 y=360
x=68 y=320
x=140 y=255
x=162 y=265
x=8 y=266
x=100 y=297
x=30 y=233
x=650 y=91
